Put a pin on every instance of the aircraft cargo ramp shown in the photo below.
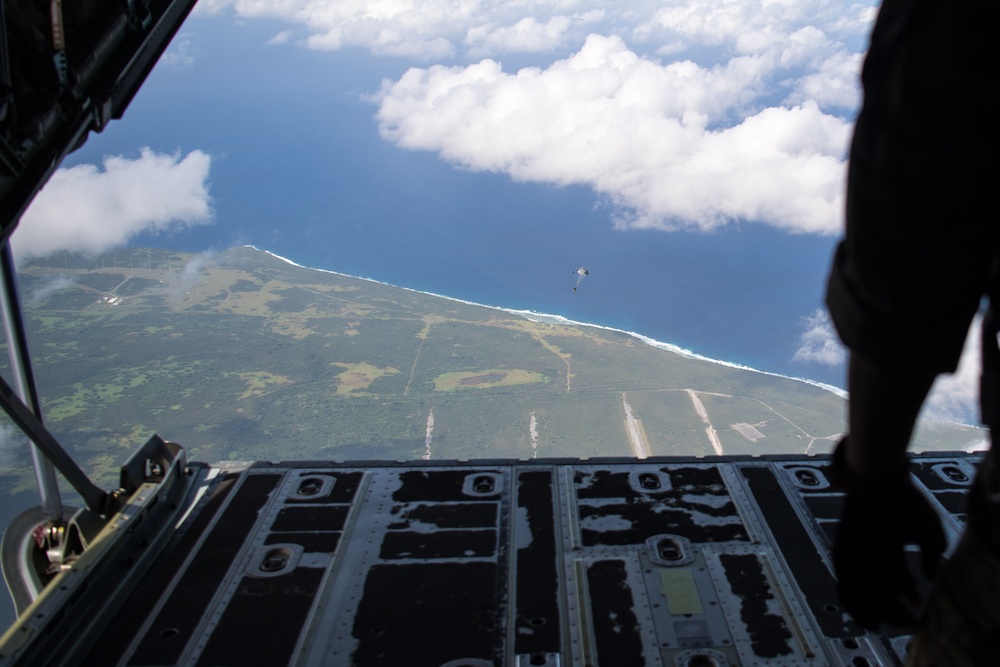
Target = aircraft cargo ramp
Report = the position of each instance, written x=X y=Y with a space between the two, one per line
x=675 y=562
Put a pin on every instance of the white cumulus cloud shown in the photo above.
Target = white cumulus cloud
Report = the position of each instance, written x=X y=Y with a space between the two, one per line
x=183 y=51
x=192 y=270
x=88 y=209
x=819 y=342
x=429 y=29
x=753 y=25
x=686 y=114
x=666 y=143
x=526 y=36
x=50 y=287
x=955 y=397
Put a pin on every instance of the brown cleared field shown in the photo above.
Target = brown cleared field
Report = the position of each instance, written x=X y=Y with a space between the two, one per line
x=486 y=379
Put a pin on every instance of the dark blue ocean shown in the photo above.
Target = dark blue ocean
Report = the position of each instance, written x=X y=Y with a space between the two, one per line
x=300 y=170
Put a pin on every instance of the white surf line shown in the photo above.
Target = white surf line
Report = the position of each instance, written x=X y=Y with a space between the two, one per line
x=546 y=318
x=632 y=428
x=533 y=432
x=535 y=316
x=699 y=407
x=429 y=436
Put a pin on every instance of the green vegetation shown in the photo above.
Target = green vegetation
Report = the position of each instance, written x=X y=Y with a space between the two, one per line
x=254 y=358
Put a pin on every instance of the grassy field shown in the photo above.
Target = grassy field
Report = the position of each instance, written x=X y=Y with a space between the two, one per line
x=243 y=356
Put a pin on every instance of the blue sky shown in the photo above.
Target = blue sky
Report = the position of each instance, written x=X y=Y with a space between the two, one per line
x=695 y=144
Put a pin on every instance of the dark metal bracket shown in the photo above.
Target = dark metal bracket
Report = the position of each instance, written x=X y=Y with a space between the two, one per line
x=96 y=500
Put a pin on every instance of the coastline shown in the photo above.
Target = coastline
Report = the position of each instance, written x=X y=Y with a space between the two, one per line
x=559 y=319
